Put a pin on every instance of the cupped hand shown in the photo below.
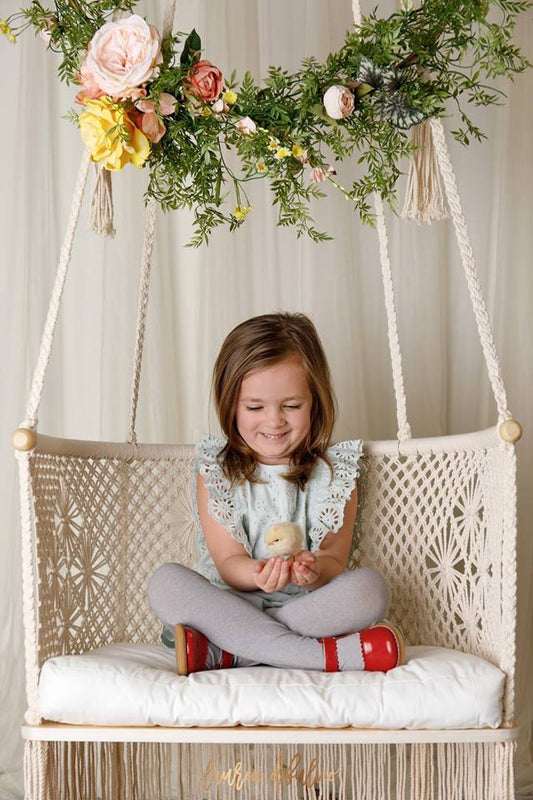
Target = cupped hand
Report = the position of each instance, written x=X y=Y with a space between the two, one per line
x=272 y=575
x=305 y=569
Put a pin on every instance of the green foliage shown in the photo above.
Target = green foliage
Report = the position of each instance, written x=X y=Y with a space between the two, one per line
x=400 y=69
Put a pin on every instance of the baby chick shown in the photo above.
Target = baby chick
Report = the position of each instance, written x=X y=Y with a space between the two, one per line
x=284 y=539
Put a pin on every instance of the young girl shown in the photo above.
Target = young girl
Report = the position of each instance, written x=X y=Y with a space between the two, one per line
x=240 y=606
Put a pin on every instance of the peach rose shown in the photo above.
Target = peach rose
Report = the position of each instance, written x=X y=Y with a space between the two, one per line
x=204 y=81
x=319 y=175
x=152 y=127
x=246 y=126
x=338 y=102
x=123 y=55
x=167 y=105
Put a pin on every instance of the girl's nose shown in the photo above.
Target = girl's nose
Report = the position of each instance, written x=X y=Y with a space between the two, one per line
x=276 y=417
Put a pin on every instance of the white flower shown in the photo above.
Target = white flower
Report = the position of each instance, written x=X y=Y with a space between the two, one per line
x=338 y=102
x=246 y=125
x=219 y=106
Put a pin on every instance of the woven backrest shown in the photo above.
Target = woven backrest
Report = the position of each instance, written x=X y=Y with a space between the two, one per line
x=431 y=520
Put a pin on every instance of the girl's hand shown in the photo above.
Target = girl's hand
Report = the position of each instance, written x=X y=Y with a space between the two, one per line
x=272 y=575
x=305 y=569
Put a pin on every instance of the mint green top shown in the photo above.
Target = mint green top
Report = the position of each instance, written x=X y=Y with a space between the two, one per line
x=247 y=511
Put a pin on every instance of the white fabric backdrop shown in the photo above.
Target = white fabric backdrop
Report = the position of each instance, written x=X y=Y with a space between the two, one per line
x=199 y=295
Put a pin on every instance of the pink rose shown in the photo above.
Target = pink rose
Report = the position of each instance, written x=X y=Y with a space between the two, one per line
x=205 y=81
x=246 y=126
x=338 y=102
x=319 y=175
x=123 y=55
x=152 y=127
x=167 y=105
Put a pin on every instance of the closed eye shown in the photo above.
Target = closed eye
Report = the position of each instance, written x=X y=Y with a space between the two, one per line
x=293 y=407
x=254 y=408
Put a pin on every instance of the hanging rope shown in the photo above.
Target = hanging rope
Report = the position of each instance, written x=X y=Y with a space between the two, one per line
x=146 y=270
x=470 y=270
x=404 y=429
x=55 y=301
x=144 y=290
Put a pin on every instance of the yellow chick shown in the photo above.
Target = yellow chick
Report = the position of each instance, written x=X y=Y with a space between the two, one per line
x=284 y=539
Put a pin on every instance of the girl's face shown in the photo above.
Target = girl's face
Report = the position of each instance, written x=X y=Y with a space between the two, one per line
x=274 y=410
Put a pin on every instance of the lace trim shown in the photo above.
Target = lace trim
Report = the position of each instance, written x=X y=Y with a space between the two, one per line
x=332 y=494
x=224 y=504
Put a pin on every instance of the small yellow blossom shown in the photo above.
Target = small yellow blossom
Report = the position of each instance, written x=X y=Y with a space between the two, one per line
x=261 y=166
x=273 y=144
x=297 y=151
x=206 y=112
x=282 y=152
x=229 y=97
x=6 y=30
x=241 y=212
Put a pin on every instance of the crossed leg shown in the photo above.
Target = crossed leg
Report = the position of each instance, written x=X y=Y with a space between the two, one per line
x=178 y=594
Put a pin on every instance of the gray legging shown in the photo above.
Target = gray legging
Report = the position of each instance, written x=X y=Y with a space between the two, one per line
x=284 y=637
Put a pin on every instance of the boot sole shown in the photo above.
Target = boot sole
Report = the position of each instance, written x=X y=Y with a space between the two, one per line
x=181 y=649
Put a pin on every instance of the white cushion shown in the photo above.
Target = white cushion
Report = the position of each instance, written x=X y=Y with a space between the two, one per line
x=135 y=684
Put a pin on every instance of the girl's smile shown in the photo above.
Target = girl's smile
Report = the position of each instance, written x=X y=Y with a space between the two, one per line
x=274 y=410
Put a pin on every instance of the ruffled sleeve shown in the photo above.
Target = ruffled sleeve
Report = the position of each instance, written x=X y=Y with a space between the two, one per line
x=224 y=502
x=329 y=494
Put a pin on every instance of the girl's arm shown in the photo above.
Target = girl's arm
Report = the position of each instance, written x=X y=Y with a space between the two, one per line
x=233 y=563
x=330 y=560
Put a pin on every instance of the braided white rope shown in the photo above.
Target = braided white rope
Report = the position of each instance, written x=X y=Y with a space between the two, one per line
x=144 y=289
x=404 y=429
x=146 y=270
x=55 y=300
x=470 y=269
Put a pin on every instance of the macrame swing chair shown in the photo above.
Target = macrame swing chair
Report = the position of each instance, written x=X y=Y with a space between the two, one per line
x=98 y=518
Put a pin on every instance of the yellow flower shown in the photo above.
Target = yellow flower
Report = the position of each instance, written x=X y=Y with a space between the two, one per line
x=110 y=136
x=282 y=152
x=297 y=151
x=261 y=166
x=6 y=30
x=206 y=112
x=229 y=97
x=273 y=144
x=241 y=212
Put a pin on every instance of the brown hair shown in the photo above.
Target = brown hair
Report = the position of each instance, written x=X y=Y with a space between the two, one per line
x=261 y=342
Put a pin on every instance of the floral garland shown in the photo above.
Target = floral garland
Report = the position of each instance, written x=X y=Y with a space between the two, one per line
x=159 y=103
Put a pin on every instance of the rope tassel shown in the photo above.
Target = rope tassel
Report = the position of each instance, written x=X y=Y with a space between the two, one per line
x=101 y=211
x=424 y=201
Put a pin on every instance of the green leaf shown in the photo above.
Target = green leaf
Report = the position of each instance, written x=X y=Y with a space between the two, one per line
x=191 y=49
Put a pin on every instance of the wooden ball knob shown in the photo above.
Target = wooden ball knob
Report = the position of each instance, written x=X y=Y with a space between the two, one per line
x=24 y=439
x=510 y=431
